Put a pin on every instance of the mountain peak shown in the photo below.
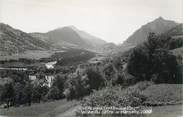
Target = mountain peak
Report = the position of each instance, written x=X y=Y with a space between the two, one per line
x=160 y=18
x=72 y=27
x=158 y=26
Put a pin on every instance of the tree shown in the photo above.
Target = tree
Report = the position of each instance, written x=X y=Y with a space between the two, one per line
x=8 y=94
x=59 y=83
x=57 y=88
x=164 y=65
x=28 y=93
x=176 y=43
x=39 y=91
x=53 y=93
x=152 y=61
x=110 y=74
x=77 y=86
x=18 y=87
x=138 y=63
x=94 y=76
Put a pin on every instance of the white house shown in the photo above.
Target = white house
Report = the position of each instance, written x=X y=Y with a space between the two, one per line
x=50 y=65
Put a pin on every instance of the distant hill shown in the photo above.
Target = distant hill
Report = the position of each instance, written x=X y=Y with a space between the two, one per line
x=157 y=26
x=71 y=56
x=70 y=36
x=15 y=44
x=13 y=41
x=109 y=48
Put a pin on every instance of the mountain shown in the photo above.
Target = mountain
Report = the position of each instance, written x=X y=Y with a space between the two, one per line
x=94 y=41
x=109 y=48
x=157 y=26
x=70 y=36
x=13 y=41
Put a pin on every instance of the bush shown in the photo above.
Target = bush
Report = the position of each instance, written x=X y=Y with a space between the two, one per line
x=57 y=88
x=8 y=94
x=77 y=86
x=53 y=93
x=115 y=96
x=175 y=43
x=94 y=76
x=39 y=92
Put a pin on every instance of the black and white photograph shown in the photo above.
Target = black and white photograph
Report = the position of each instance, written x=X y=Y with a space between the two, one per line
x=91 y=58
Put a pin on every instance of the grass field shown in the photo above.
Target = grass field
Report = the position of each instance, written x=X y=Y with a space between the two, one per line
x=28 y=54
x=167 y=111
x=48 y=109
x=164 y=94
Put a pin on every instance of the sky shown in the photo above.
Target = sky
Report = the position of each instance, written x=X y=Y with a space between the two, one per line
x=111 y=20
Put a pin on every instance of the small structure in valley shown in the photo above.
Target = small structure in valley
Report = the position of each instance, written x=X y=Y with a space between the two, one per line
x=50 y=65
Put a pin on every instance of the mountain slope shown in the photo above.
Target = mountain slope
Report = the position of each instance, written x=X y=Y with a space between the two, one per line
x=157 y=26
x=13 y=41
x=70 y=36
x=95 y=42
x=65 y=35
x=176 y=32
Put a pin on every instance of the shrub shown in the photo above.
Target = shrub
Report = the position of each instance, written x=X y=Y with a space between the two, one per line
x=53 y=93
x=76 y=87
x=94 y=76
x=8 y=94
x=57 y=87
x=115 y=96
x=39 y=92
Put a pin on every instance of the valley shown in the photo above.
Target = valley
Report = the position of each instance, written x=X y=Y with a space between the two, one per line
x=50 y=74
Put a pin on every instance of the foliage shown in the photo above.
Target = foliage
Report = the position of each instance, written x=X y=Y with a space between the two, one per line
x=8 y=94
x=94 y=76
x=53 y=93
x=57 y=88
x=28 y=93
x=39 y=92
x=115 y=96
x=176 y=43
x=76 y=87
x=151 y=61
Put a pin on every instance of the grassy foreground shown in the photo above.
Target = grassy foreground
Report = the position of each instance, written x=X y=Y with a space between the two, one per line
x=164 y=94
x=48 y=109
x=166 y=100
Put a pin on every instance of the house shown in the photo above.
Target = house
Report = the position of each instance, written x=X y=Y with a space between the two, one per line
x=50 y=65
x=47 y=81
